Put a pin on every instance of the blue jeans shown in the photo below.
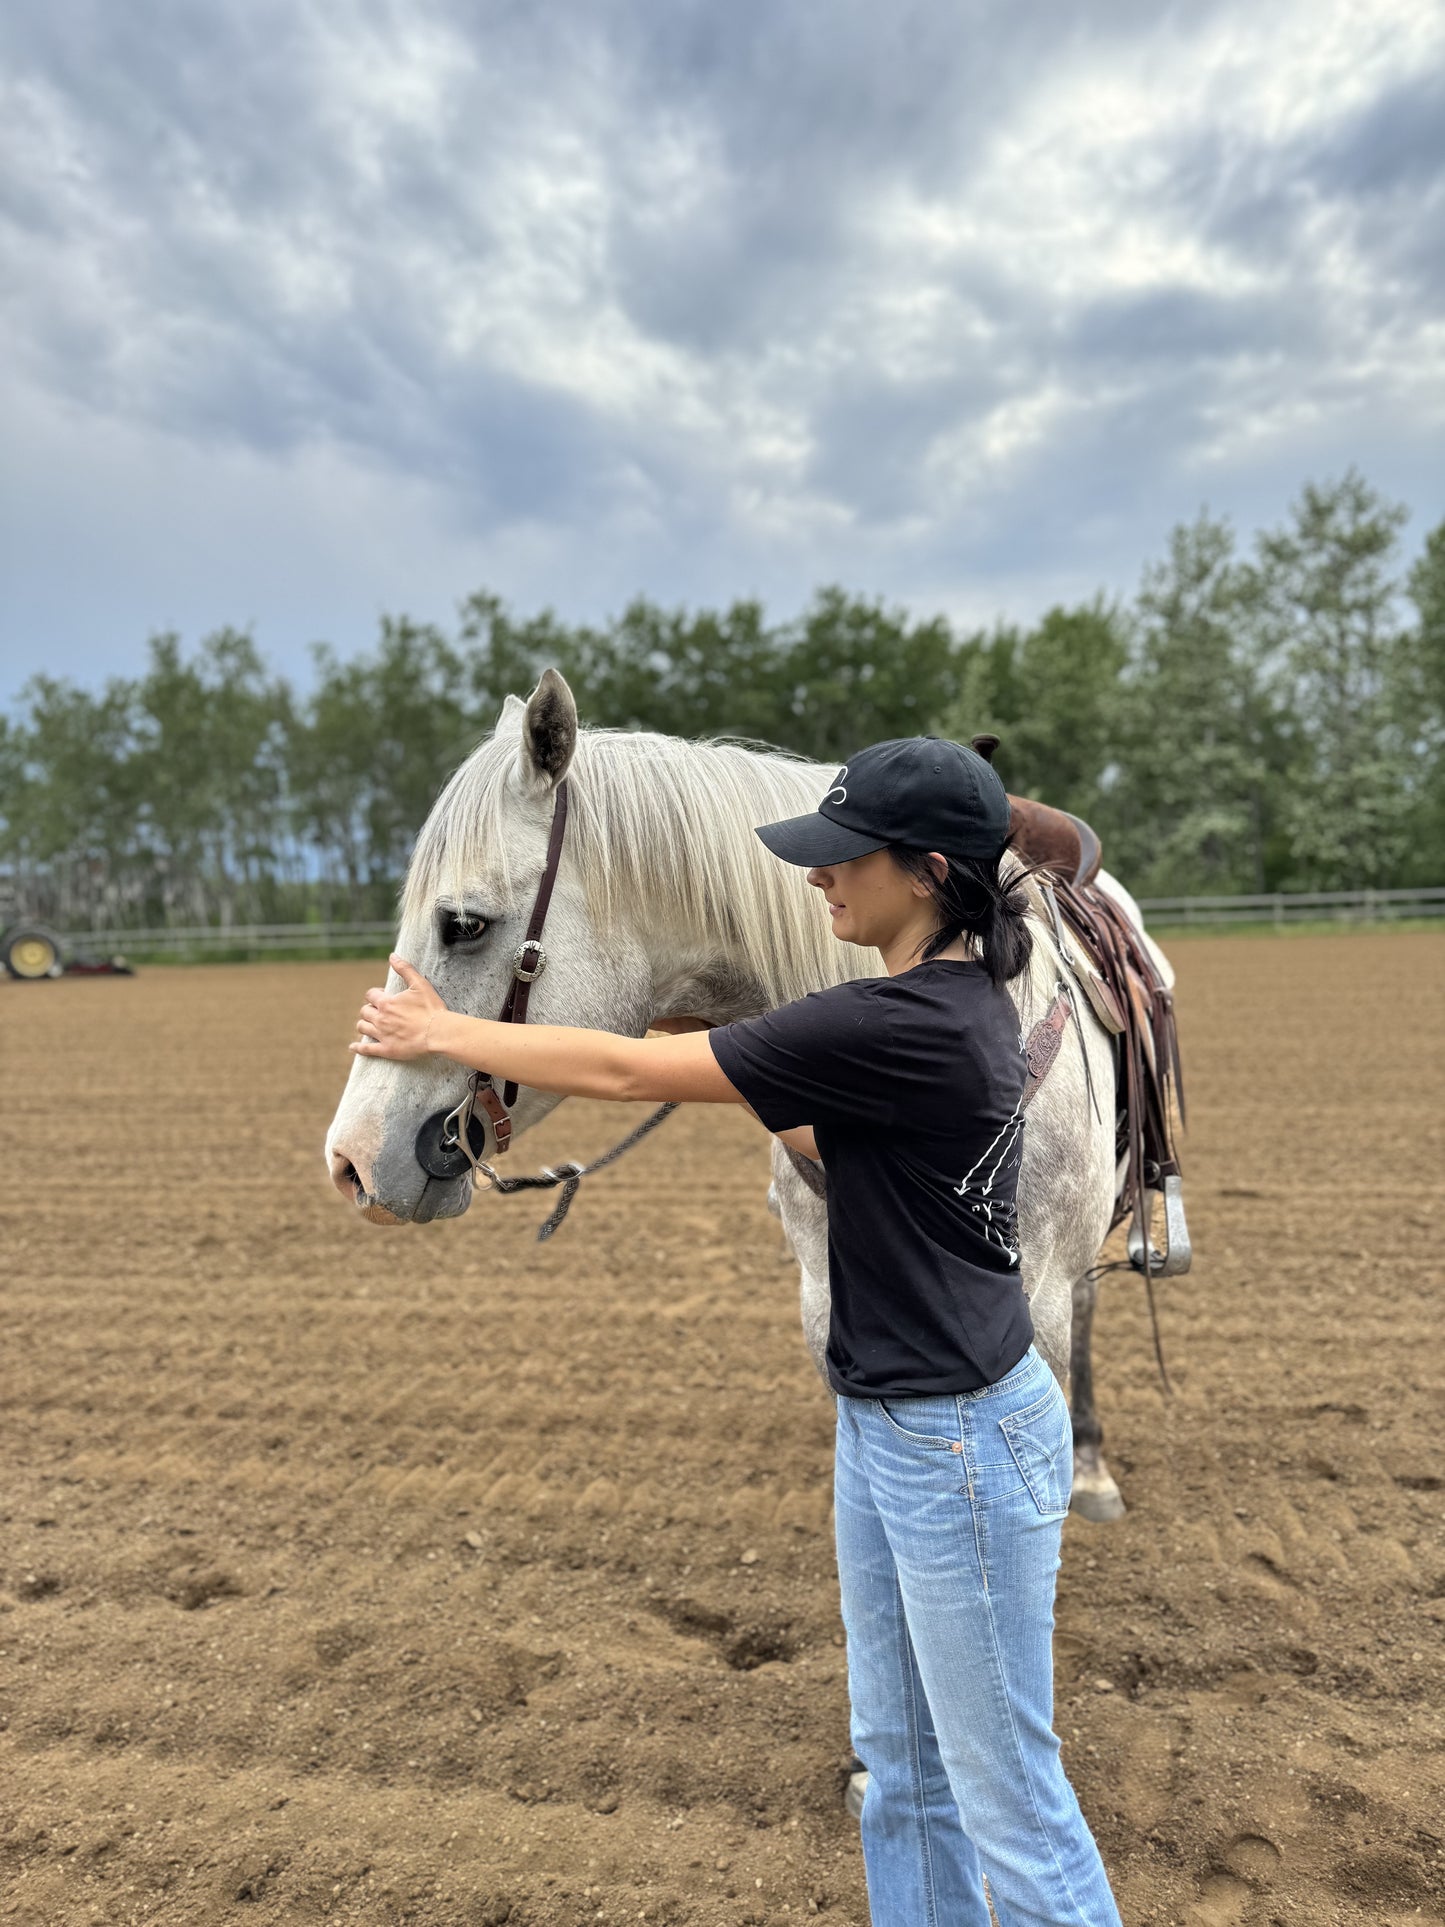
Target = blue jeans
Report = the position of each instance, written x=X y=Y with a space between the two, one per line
x=949 y=1515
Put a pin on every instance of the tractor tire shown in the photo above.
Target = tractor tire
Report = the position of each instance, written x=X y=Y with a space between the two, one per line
x=31 y=952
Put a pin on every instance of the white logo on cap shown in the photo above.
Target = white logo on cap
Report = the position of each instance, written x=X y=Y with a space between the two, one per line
x=838 y=794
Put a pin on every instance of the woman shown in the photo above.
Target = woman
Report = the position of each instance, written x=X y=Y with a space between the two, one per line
x=954 y=1450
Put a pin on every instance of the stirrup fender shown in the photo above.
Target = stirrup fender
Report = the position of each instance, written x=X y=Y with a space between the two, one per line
x=1101 y=998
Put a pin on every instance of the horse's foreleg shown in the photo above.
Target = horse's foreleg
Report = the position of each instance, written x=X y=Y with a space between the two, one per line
x=1096 y=1496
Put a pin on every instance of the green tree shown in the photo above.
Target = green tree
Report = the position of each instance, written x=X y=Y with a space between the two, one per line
x=209 y=766
x=1334 y=650
x=1051 y=695
x=1277 y=722
x=685 y=674
x=1424 y=677
x=851 y=672
x=847 y=671
x=70 y=804
x=1195 y=793
x=369 y=750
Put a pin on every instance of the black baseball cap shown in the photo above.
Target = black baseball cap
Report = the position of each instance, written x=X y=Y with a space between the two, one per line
x=922 y=791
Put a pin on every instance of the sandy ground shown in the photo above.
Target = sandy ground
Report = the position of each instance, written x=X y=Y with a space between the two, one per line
x=429 y=1575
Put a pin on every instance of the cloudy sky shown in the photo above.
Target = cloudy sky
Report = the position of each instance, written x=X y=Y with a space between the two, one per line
x=316 y=310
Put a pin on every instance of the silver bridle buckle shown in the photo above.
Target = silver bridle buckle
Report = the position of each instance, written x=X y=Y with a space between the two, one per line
x=519 y=962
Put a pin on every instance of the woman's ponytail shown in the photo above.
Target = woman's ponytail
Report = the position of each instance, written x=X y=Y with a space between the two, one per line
x=974 y=900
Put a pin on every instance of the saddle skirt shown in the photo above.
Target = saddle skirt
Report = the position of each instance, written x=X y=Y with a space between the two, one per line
x=1106 y=954
x=1114 y=969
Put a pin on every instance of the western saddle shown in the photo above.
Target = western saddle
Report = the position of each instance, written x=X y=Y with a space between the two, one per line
x=1107 y=957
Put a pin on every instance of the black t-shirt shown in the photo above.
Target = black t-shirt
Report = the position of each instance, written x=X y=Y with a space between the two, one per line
x=912 y=1086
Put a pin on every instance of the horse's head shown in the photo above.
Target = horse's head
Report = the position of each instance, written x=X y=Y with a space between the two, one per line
x=468 y=895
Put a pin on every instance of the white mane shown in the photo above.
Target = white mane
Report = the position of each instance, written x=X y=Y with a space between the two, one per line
x=660 y=821
x=665 y=822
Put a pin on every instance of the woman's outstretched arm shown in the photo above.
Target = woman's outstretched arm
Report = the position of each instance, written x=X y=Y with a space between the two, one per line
x=548 y=1057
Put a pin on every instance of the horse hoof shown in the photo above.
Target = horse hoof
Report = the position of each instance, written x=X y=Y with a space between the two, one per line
x=1101 y=1503
x=853 y=1794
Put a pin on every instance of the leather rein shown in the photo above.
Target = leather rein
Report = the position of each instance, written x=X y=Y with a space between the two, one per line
x=448 y=1142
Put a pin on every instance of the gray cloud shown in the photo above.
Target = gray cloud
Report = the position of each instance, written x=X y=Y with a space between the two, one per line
x=1392 y=145
x=603 y=297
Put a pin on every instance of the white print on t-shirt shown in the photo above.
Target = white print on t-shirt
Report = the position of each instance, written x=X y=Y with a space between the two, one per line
x=998 y=1216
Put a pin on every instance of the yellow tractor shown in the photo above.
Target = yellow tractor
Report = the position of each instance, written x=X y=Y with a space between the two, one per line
x=32 y=951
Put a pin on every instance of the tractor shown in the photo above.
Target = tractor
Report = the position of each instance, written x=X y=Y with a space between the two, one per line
x=31 y=951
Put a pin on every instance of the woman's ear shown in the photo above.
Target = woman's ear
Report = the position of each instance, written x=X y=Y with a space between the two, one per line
x=938 y=863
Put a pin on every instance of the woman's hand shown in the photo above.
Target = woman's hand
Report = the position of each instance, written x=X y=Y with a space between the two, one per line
x=398 y=1024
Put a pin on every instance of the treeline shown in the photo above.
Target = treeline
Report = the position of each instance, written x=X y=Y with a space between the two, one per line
x=1269 y=719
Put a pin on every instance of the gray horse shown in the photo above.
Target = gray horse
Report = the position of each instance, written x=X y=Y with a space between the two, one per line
x=666 y=907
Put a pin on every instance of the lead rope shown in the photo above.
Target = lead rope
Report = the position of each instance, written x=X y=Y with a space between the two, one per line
x=570 y=1174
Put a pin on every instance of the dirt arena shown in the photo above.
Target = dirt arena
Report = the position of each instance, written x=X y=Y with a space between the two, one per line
x=430 y=1575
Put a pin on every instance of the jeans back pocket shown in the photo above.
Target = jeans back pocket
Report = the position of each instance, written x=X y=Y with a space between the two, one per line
x=1040 y=1439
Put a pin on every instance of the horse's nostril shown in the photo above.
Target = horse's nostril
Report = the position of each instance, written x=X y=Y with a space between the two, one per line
x=347 y=1179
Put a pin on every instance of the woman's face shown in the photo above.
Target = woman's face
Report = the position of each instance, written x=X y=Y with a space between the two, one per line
x=871 y=900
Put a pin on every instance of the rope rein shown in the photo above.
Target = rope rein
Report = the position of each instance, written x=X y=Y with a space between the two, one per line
x=570 y=1174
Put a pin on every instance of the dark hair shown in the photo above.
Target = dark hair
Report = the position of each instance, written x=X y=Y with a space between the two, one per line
x=974 y=898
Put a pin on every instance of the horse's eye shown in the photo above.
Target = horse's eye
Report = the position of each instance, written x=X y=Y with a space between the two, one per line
x=458 y=926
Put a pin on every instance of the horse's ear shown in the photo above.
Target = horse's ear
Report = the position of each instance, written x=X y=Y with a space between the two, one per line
x=509 y=718
x=986 y=745
x=549 y=731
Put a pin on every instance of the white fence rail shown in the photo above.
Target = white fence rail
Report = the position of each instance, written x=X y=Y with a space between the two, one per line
x=183 y=939
x=1299 y=906
x=1307 y=906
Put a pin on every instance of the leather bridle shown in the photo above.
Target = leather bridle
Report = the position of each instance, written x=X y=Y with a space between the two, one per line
x=445 y=1146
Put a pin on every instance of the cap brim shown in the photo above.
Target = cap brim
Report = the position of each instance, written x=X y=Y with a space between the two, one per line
x=816 y=840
